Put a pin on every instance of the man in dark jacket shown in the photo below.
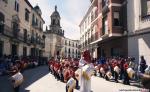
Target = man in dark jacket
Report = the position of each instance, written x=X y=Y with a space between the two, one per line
x=142 y=65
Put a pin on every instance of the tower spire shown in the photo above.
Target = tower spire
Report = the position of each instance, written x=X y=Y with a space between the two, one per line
x=55 y=7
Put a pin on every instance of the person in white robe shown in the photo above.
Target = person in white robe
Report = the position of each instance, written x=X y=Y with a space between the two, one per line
x=86 y=67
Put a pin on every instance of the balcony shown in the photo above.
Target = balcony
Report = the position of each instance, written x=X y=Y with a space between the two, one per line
x=145 y=18
x=15 y=34
x=33 y=40
x=27 y=39
x=117 y=30
x=37 y=27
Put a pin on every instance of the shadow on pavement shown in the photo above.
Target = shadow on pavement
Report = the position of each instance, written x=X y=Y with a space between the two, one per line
x=32 y=75
x=5 y=84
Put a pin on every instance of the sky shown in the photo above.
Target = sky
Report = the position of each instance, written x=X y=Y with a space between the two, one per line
x=71 y=12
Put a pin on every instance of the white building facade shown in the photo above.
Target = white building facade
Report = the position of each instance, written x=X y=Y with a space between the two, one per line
x=88 y=29
x=139 y=29
x=71 y=48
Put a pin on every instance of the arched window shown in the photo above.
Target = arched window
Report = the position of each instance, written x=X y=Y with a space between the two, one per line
x=2 y=20
x=15 y=25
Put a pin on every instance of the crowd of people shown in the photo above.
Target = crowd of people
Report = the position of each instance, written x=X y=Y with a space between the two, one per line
x=12 y=65
x=116 y=68
x=124 y=69
x=6 y=62
x=64 y=69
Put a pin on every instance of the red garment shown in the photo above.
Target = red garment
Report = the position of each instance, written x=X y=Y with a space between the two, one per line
x=125 y=66
x=66 y=75
x=87 y=56
x=56 y=66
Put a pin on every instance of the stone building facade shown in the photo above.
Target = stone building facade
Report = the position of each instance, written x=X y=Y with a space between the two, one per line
x=18 y=34
x=54 y=36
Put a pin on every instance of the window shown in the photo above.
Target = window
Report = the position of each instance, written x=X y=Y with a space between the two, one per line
x=33 y=19
x=145 y=8
x=36 y=22
x=116 y=21
x=33 y=52
x=1 y=48
x=14 y=49
x=16 y=6
x=15 y=29
x=36 y=37
x=105 y=27
x=2 y=18
x=69 y=50
x=88 y=37
x=72 y=51
x=72 y=44
x=25 y=35
x=148 y=7
x=40 y=25
x=53 y=23
x=24 y=51
x=69 y=43
x=27 y=15
x=76 y=52
x=65 y=42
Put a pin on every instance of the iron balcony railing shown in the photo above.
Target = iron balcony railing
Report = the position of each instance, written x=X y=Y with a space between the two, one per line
x=14 y=34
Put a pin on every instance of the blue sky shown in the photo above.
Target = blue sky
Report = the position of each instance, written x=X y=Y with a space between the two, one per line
x=71 y=12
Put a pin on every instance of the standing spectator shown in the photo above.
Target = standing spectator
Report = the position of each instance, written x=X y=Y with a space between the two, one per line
x=142 y=65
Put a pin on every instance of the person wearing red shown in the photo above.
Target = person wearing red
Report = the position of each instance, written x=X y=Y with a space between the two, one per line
x=66 y=73
x=126 y=77
x=55 y=70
